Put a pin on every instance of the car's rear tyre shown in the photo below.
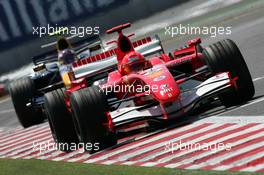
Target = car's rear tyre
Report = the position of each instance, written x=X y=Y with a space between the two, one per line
x=60 y=121
x=89 y=106
x=225 y=56
x=22 y=92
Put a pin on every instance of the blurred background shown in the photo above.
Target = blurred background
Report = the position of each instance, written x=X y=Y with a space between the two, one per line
x=18 y=17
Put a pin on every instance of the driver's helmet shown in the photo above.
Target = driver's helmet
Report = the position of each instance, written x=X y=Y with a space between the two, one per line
x=66 y=56
x=132 y=62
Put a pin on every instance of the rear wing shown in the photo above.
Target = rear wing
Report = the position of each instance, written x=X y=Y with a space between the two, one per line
x=101 y=62
x=79 y=45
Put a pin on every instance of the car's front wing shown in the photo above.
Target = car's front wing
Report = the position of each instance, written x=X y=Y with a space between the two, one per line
x=187 y=101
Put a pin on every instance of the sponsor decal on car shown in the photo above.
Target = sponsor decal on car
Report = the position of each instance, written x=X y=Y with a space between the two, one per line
x=154 y=73
x=162 y=77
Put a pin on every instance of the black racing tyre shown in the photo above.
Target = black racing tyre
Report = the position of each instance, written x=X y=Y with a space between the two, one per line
x=89 y=106
x=60 y=121
x=22 y=92
x=226 y=56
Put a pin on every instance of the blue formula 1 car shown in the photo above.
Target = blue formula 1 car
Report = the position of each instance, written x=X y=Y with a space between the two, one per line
x=27 y=92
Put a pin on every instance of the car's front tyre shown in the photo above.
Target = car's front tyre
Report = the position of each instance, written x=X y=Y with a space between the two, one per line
x=225 y=56
x=60 y=121
x=89 y=106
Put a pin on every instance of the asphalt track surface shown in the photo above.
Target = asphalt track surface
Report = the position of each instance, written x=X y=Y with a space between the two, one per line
x=241 y=126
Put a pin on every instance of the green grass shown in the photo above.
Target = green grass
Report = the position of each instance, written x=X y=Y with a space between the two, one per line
x=38 y=167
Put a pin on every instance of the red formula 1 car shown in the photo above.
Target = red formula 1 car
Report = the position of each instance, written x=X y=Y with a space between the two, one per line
x=138 y=82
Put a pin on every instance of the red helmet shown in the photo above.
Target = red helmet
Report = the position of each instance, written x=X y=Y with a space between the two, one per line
x=132 y=62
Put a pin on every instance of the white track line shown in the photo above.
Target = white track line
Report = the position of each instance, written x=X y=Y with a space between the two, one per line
x=109 y=162
x=27 y=146
x=178 y=139
x=210 y=152
x=258 y=78
x=21 y=133
x=83 y=157
x=12 y=134
x=32 y=150
x=182 y=153
x=5 y=100
x=7 y=111
x=14 y=140
x=229 y=155
x=80 y=152
x=254 y=168
x=25 y=139
x=232 y=119
x=160 y=144
x=154 y=155
x=129 y=163
x=248 y=159
x=149 y=164
x=42 y=154
x=8 y=131
x=53 y=154
x=154 y=138
x=223 y=167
